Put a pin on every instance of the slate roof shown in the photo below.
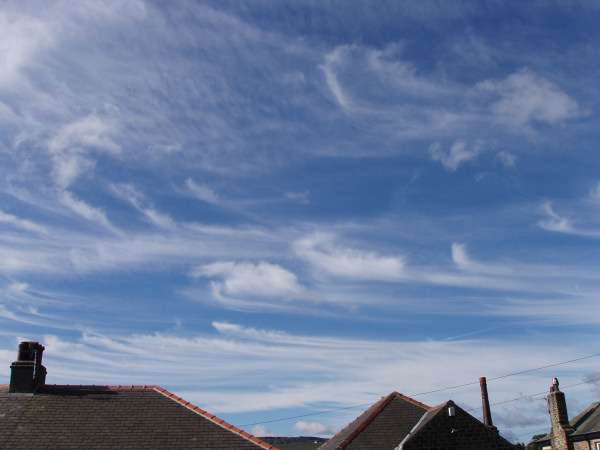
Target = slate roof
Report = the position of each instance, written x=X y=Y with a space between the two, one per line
x=587 y=422
x=109 y=417
x=398 y=421
x=382 y=426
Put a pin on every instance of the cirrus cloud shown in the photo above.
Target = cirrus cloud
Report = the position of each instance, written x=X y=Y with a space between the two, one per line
x=320 y=251
x=457 y=155
x=247 y=279
x=524 y=98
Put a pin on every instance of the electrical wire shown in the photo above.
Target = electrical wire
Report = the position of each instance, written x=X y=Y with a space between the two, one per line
x=534 y=395
x=305 y=415
x=441 y=390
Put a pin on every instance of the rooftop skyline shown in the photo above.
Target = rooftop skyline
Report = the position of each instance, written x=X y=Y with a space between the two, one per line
x=273 y=209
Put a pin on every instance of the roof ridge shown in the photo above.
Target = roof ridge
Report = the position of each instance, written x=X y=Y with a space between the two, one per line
x=214 y=419
x=363 y=420
x=441 y=405
x=412 y=400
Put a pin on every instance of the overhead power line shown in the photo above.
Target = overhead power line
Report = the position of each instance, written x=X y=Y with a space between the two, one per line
x=441 y=390
x=545 y=367
x=305 y=415
x=508 y=375
x=534 y=395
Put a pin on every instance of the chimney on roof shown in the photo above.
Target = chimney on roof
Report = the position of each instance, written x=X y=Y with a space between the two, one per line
x=27 y=372
x=561 y=429
x=487 y=413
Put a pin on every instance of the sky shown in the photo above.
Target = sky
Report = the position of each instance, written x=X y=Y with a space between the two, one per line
x=283 y=211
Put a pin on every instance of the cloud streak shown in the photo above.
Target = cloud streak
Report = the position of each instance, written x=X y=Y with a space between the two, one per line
x=262 y=279
x=525 y=98
x=326 y=258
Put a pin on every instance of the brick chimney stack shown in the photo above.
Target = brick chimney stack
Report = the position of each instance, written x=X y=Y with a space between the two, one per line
x=487 y=413
x=27 y=372
x=557 y=407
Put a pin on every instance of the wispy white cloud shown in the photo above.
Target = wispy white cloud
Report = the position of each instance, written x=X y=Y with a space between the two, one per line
x=70 y=144
x=327 y=258
x=381 y=88
x=381 y=73
x=507 y=158
x=17 y=287
x=89 y=212
x=457 y=155
x=129 y=193
x=577 y=307
x=277 y=337
x=329 y=69
x=261 y=285
x=202 y=192
x=560 y=224
x=216 y=296
x=555 y=222
x=239 y=331
x=22 y=223
x=462 y=259
x=21 y=38
x=519 y=276
x=301 y=197
x=91 y=132
x=459 y=255
x=242 y=279
x=526 y=98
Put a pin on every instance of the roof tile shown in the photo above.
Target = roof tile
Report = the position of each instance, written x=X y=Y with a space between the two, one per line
x=139 y=416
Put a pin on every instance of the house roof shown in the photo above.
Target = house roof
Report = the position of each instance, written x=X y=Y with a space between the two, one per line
x=588 y=421
x=382 y=426
x=398 y=421
x=585 y=425
x=438 y=429
x=74 y=417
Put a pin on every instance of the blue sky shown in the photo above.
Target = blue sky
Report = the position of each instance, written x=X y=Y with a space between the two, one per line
x=281 y=208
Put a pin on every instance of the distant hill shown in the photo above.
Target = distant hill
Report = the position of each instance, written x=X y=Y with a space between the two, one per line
x=295 y=443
